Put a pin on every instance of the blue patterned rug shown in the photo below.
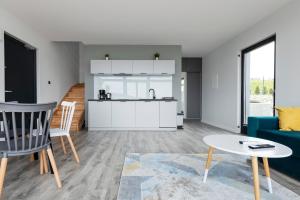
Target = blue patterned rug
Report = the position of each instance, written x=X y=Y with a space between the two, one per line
x=179 y=177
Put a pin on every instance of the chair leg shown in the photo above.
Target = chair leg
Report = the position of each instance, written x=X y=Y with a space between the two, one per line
x=41 y=163
x=74 y=136
x=2 y=173
x=31 y=157
x=63 y=145
x=53 y=164
x=73 y=149
x=45 y=161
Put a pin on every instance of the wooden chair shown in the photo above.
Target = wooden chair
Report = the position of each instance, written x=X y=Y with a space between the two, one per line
x=68 y=109
x=19 y=123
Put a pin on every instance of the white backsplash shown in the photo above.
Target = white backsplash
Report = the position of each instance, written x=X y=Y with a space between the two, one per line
x=133 y=87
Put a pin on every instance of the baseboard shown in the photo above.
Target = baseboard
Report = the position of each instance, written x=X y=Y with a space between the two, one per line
x=130 y=129
x=221 y=126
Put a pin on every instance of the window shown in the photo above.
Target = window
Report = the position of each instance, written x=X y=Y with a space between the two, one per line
x=133 y=87
x=258 y=73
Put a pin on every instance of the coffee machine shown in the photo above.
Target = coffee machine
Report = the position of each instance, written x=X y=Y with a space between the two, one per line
x=102 y=95
x=108 y=96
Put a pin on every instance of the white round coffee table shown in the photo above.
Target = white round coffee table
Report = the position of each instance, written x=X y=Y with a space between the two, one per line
x=231 y=144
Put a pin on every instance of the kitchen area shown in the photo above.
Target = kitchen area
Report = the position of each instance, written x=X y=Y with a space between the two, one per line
x=132 y=95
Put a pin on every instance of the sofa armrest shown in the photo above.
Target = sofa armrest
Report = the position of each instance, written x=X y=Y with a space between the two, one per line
x=256 y=123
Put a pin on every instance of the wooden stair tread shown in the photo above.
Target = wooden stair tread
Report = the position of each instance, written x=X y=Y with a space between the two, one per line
x=76 y=93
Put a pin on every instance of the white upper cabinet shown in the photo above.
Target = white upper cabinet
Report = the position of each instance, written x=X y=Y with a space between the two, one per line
x=101 y=66
x=143 y=67
x=164 y=67
x=157 y=67
x=121 y=67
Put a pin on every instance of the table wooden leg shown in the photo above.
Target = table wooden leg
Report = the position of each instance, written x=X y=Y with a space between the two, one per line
x=208 y=162
x=255 y=178
x=268 y=175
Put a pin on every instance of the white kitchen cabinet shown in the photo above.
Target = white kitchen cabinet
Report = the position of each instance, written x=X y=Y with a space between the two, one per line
x=168 y=114
x=101 y=66
x=142 y=67
x=164 y=66
x=147 y=114
x=99 y=115
x=121 y=66
x=123 y=114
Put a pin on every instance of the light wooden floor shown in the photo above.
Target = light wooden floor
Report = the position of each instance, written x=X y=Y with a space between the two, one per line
x=102 y=155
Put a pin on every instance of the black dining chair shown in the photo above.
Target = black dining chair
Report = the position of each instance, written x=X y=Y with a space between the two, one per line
x=18 y=138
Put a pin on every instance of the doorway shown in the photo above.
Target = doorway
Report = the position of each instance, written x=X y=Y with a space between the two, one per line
x=258 y=80
x=20 y=71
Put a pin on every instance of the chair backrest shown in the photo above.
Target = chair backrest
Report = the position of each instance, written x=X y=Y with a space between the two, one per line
x=19 y=121
x=67 y=114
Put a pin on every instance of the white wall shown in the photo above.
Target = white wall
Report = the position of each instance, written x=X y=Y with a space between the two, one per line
x=56 y=62
x=221 y=106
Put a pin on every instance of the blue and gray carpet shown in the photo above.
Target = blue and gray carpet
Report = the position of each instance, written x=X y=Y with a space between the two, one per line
x=179 y=177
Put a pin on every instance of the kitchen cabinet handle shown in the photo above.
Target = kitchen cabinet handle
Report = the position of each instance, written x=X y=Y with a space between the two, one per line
x=164 y=73
x=143 y=73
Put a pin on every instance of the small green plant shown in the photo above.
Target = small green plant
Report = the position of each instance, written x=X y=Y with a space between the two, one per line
x=265 y=91
x=257 y=90
x=156 y=56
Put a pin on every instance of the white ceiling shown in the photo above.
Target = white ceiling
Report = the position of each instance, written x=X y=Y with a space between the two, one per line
x=198 y=25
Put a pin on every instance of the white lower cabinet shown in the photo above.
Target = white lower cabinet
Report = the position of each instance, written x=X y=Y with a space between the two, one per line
x=168 y=114
x=99 y=115
x=147 y=114
x=123 y=114
x=132 y=115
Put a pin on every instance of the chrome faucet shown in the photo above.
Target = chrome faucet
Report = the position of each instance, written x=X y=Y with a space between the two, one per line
x=153 y=93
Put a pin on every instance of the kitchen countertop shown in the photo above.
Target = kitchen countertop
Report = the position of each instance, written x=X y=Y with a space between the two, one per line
x=132 y=100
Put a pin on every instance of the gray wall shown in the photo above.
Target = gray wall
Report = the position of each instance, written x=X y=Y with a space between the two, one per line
x=193 y=67
x=193 y=95
x=221 y=105
x=127 y=52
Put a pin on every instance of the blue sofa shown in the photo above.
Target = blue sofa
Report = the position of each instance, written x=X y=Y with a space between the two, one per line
x=268 y=128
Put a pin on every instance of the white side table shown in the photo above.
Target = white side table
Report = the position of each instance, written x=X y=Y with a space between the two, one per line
x=230 y=143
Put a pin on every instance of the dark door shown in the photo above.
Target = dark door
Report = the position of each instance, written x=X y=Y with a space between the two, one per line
x=20 y=71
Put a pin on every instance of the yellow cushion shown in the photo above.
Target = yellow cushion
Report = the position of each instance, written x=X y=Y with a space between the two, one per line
x=289 y=118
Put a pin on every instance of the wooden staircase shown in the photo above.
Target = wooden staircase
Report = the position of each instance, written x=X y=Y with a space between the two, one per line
x=76 y=93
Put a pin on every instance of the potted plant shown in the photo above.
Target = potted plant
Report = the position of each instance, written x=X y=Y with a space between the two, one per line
x=156 y=56
x=106 y=56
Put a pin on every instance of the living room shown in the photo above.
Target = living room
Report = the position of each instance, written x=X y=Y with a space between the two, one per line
x=143 y=100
